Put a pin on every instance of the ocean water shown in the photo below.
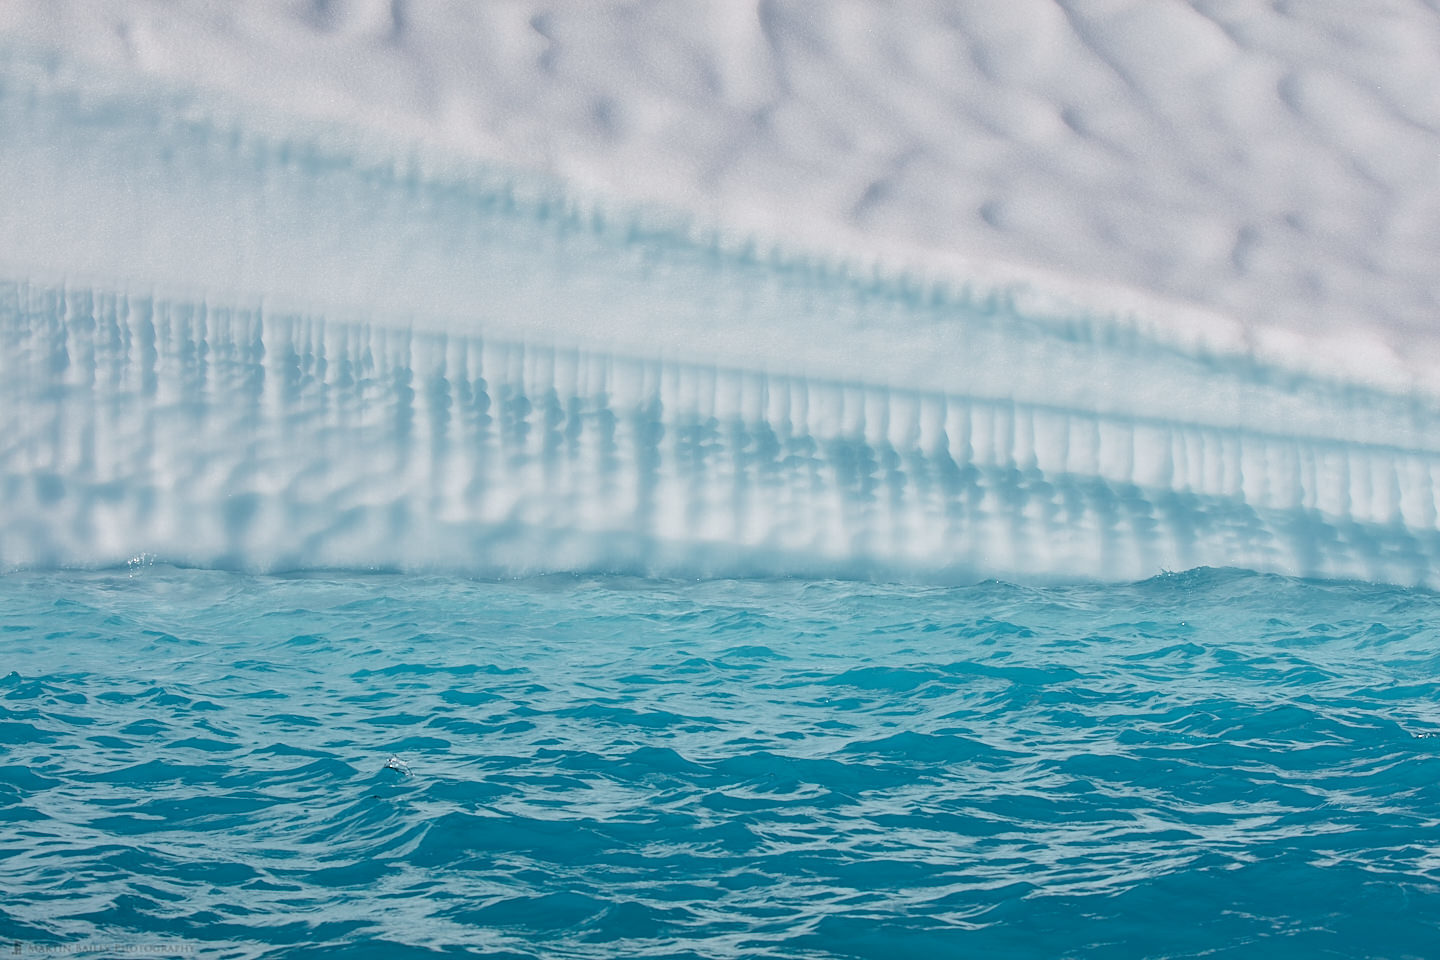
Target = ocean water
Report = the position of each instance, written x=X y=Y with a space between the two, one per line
x=1212 y=763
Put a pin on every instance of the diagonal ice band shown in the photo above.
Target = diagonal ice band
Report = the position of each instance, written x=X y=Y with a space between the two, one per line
x=361 y=360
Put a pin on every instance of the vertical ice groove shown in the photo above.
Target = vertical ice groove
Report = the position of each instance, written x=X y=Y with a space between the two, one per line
x=224 y=436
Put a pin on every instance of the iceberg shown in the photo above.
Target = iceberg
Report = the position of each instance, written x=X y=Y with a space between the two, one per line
x=235 y=341
x=246 y=439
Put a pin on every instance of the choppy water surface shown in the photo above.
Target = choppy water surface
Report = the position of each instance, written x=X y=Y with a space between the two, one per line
x=1212 y=763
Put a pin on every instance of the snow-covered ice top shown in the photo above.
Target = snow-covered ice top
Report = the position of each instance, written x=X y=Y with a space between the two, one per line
x=1260 y=175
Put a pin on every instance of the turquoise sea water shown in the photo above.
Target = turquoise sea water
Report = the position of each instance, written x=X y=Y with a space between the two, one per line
x=1213 y=763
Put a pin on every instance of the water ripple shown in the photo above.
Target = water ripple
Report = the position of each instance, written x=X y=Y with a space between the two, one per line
x=591 y=767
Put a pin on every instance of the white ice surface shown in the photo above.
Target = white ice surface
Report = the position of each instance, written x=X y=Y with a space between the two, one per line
x=1270 y=171
x=932 y=291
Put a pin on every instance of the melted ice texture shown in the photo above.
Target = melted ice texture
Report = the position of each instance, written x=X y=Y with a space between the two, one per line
x=1035 y=289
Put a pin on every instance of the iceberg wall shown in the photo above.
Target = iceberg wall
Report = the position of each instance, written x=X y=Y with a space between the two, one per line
x=240 y=438
x=228 y=343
